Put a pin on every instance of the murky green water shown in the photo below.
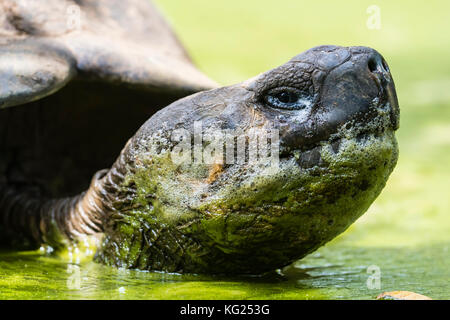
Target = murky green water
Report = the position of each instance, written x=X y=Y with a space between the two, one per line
x=335 y=272
x=406 y=232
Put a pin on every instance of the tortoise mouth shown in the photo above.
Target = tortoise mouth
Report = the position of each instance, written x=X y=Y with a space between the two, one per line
x=375 y=123
x=312 y=157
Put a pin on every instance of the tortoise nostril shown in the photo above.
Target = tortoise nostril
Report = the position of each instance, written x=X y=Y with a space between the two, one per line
x=372 y=64
x=377 y=63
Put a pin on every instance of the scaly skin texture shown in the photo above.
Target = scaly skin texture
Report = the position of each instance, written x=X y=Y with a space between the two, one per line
x=253 y=217
x=336 y=112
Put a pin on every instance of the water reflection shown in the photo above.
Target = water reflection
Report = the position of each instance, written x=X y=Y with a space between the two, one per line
x=334 y=272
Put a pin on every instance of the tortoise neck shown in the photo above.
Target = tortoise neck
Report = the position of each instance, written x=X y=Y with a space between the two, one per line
x=27 y=219
x=73 y=217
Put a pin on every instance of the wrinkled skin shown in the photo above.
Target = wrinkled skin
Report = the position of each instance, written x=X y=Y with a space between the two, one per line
x=336 y=112
x=337 y=152
x=336 y=156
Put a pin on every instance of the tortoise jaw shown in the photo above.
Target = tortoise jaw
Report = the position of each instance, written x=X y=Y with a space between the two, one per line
x=381 y=120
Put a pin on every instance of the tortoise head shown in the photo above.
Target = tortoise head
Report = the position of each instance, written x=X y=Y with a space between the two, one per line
x=251 y=177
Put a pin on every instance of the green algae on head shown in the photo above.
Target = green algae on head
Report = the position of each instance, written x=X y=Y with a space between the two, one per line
x=253 y=217
x=336 y=154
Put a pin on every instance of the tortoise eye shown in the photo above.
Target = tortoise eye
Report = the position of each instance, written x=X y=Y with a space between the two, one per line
x=287 y=98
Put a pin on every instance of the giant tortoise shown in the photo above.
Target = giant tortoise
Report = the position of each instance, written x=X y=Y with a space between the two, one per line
x=79 y=78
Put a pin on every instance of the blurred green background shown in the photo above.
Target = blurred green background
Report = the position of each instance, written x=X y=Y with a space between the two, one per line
x=405 y=233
